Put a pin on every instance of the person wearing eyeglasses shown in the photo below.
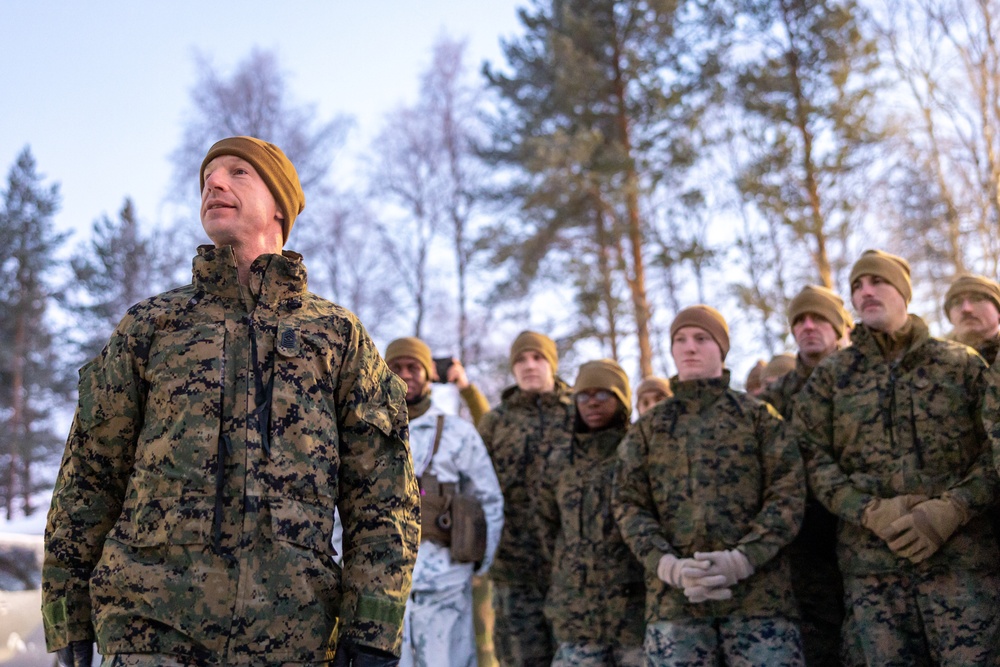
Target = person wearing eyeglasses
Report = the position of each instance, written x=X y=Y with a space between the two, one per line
x=706 y=494
x=972 y=305
x=595 y=599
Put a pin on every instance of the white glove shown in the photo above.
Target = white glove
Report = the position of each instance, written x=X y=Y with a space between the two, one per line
x=732 y=565
x=679 y=572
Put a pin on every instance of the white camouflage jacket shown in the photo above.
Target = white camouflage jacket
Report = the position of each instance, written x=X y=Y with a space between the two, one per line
x=461 y=459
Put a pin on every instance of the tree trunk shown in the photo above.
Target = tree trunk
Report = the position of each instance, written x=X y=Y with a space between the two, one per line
x=637 y=280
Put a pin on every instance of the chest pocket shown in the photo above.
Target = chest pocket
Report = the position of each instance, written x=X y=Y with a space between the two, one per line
x=304 y=454
x=185 y=374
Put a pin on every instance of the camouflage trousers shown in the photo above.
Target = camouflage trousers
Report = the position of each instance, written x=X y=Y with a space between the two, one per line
x=733 y=641
x=598 y=655
x=163 y=660
x=437 y=629
x=929 y=618
x=522 y=636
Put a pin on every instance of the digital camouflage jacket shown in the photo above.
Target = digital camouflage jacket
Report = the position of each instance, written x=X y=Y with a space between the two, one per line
x=597 y=592
x=870 y=429
x=706 y=470
x=214 y=436
x=526 y=436
x=782 y=391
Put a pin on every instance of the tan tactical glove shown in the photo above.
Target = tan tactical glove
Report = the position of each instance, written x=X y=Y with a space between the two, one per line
x=728 y=567
x=919 y=534
x=881 y=512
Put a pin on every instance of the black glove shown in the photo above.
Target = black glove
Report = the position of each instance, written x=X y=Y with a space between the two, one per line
x=350 y=654
x=78 y=654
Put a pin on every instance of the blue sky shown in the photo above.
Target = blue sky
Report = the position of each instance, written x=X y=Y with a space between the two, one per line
x=99 y=90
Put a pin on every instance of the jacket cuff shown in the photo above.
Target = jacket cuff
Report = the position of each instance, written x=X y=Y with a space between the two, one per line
x=378 y=623
x=65 y=623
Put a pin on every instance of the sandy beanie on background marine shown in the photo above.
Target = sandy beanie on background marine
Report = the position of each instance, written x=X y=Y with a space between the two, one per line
x=972 y=305
x=651 y=391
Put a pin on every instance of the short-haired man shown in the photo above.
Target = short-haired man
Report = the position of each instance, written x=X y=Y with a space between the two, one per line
x=527 y=435
x=972 y=305
x=818 y=320
x=215 y=435
x=890 y=431
x=438 y=627
x=706 y=495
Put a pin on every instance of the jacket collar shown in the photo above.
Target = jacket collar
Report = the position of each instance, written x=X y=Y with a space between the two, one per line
x=702 y=392
x=863 y=339
x=562 y=394
x=273 y=278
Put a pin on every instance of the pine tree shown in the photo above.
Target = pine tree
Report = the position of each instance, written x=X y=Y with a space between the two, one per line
x=111 y=274
x=588 y=125
x=803 y=76
x=32 y=381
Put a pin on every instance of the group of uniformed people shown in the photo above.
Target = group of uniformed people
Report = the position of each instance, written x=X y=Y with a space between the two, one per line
x=229 y=421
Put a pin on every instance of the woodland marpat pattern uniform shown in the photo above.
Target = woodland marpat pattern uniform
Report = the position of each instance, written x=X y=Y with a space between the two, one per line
x=597 y=594
x=705 y=470
x=526 y=436
x=869 y=428
x=215 y=434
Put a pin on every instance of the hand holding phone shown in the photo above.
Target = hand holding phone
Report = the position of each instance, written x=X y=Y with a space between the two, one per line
x=441 y=365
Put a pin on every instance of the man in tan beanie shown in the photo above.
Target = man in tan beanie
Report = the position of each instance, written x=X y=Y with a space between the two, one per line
x=446 y=450
x=216 y=434
x=527 y=435
x=706 y=495
x=818 y=320
x=972 y=305
x=890 y=431
x=651 y=391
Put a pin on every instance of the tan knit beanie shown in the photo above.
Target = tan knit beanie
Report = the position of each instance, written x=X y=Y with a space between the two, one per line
x=894 y=270
x=823 y=302
x=530 y=340
x=653 y=383
x=777 y=367
x=754 y=377
x=276 y=170
x=972 y=284
x=605 y=374
x=707 y=318
x=413 y=348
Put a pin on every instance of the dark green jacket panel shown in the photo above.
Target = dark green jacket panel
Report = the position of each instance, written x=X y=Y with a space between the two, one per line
x=527 y=436
x=597 y=591
x=194 y=507
x=873 y=429
x=706 y=470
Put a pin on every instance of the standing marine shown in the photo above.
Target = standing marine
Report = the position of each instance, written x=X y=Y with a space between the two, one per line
x=706 y=495
x=894 y=446
x=527 y=436
x=818 y=320
x=595 y=600
x=215 y=435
